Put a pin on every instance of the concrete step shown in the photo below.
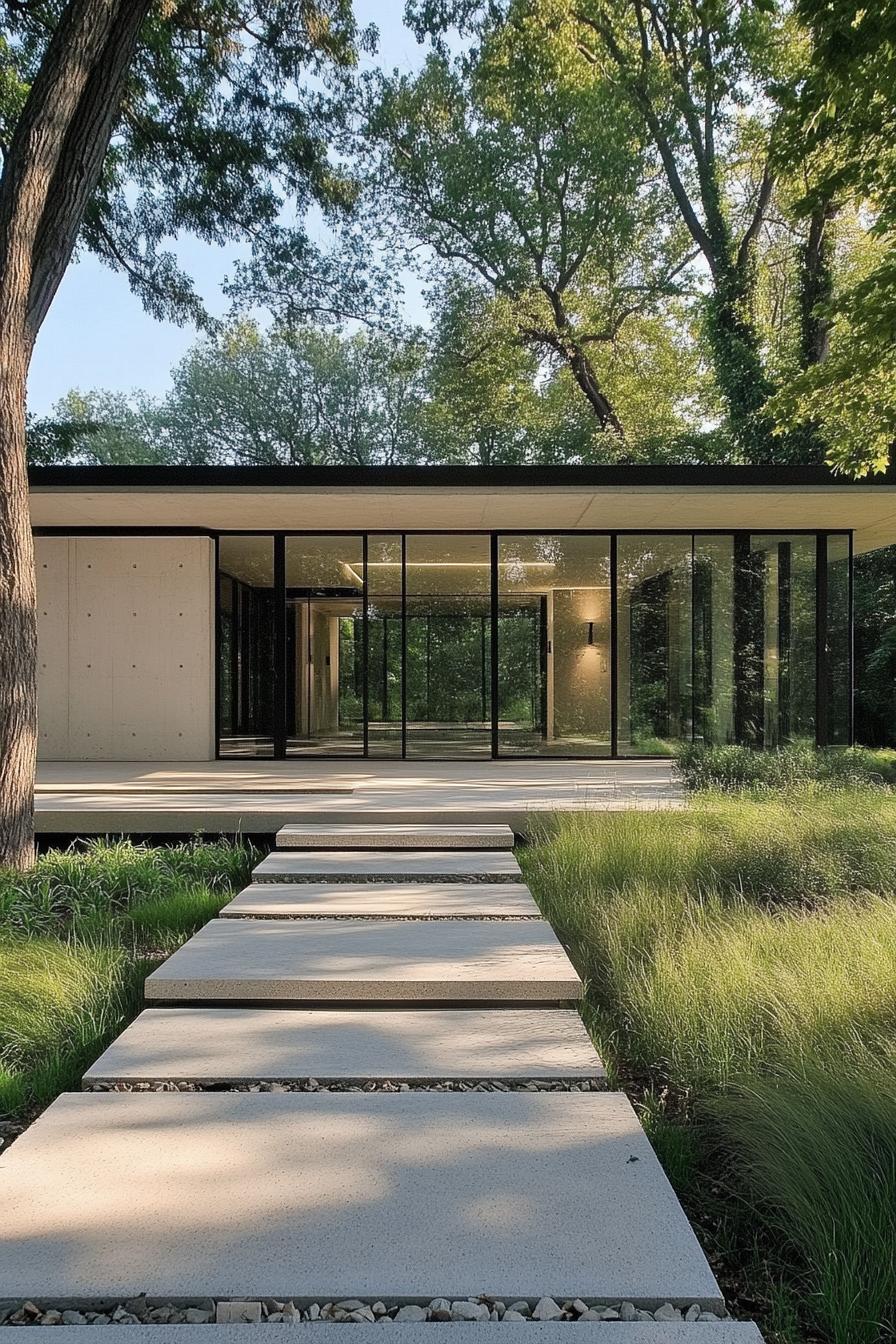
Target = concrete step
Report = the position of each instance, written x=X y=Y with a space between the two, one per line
x=227 y=1045
x=371 y=865
x=452 y=963
x=358 y=835
x=428 y=1332
x=400 y=1196
x=383 y=900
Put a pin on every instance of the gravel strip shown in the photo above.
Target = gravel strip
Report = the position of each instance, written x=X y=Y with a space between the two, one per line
x=205 y=1311
x=352 y=1085
x=363 y=915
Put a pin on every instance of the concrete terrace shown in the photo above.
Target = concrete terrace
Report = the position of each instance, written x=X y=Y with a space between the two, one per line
x=258 y=796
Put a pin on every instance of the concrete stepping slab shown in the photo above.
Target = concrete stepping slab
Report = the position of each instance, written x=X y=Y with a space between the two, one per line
x=371 y=865
x=360 y=835
x=322 y=1196
x=383 y=900
x=451 y=962
x=215 y=1045
x=427 y=1332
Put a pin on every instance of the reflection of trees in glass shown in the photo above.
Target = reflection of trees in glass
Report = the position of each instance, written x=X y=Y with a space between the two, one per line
x=520 y=665
x=654 y=584
x=351 y=672
x=874 y=598
x=449 y=667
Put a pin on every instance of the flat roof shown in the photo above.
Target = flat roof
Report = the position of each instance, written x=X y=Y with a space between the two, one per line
x=465 y=498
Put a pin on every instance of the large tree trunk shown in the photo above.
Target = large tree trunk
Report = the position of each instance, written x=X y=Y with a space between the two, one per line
x=816 y=286
x=739 y=368
x=54 y=161
x=18 y=625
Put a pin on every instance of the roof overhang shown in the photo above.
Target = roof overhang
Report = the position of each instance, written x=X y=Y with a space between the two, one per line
x=449 y=499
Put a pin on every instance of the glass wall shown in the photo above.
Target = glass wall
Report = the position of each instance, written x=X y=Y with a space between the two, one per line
x=385 y=636
x=324 y=646
x=654 y=635
x=448 y=645
x=246 y=645
x=837 y=699
x=554 y=645
x=463 y=646
x=778 y=640
x=713 y=646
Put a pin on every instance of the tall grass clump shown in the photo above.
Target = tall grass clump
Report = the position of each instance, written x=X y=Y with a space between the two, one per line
x=80 y=933
x=740 y=968
x=89 y=883
x=729 y=769
x=813 y=1148
x=813 y=847
x=59 y=1004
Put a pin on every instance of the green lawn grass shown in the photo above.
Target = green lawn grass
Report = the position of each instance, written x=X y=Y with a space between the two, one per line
x=740 y=962
x=80 y=934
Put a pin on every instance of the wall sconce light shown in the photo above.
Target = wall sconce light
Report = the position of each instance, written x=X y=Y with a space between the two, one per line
x=591 y=632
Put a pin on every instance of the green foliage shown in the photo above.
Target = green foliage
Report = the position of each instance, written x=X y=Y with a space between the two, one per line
x=801 y=848
x=840 y=117
x=308 y=396
x=224 y=129
x=80 y=934
x=59 y=1003
x=730 y=769
x=539 y=191
x=814 y=1149
x=741 y=971
x=68 y=888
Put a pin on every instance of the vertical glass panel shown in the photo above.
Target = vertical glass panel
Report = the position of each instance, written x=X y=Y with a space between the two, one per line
x=714 y=640
x=384 y=636
x=448 y=634
x=654 y=643
x=324 y=646
x=874 y=632
x=246 y=645
x=554 y=645
x=838 y=688
x=781 y=596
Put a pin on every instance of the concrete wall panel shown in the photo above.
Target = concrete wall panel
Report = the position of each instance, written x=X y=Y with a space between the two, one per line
x=126 y=648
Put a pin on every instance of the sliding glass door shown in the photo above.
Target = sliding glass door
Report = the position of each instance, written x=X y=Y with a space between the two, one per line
x=448 y=651
x=554 y=645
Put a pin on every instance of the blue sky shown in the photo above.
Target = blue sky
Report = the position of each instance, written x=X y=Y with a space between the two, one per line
x=97 y=334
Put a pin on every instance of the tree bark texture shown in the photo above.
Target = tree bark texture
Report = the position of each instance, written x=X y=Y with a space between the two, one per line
x=50 y=172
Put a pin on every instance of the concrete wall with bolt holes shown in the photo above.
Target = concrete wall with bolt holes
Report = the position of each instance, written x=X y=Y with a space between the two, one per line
x=125 y=648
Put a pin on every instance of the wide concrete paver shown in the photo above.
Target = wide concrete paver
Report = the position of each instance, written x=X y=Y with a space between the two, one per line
x=406 y=1195
x=214 y=1045
x=372 y=865
x=383 y=900
x=357 y=961
x=357 y=835
x=407 y=1332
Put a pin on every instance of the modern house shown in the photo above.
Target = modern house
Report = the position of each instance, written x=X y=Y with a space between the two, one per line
x=445 y=612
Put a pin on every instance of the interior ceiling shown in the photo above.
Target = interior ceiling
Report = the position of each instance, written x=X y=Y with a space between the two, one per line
x=870 y=511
